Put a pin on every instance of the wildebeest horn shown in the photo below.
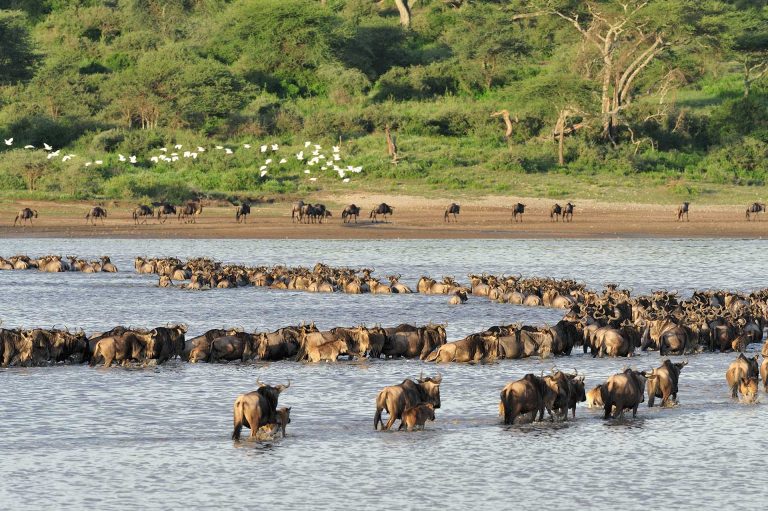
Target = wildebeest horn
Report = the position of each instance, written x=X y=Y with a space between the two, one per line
x=437 y=379
x=281 y=388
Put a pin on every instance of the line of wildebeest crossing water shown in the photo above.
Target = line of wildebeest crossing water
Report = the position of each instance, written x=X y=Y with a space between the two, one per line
x=605 y=323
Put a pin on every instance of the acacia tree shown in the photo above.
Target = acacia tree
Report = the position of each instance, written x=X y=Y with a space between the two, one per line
x=625 y=49
x=625 y=43
x=751 y=48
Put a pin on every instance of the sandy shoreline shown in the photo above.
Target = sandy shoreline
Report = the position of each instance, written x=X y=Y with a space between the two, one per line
x=414 y=218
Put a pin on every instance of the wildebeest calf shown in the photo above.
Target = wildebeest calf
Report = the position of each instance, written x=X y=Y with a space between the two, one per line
x=417 y=416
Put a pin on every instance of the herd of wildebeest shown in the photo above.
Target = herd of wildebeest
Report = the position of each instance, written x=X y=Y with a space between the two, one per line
x=316 y=213
x=606 y=323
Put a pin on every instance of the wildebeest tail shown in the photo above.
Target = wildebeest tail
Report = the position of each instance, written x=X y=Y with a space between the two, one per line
x=238 y=418
x=652 y=391
x=380 y=405
x=506 y=407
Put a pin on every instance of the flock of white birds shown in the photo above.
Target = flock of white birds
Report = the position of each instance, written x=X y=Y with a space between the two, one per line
x=315 y=157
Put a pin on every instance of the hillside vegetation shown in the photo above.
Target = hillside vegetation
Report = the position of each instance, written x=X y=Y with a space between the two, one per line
x=654 y=100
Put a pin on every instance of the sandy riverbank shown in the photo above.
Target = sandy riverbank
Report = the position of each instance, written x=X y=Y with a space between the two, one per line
x=414 y=218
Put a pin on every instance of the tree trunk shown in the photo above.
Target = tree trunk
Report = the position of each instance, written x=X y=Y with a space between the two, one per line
x=405 y=12
x=391 y=145
x=507 y=121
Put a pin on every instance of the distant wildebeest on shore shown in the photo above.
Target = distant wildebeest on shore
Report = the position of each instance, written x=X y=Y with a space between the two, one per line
x=142 y=211
x=568 y=212
x=555 y=212
x=682 y=210
x=24 y=215
x=518 y=209
x=243 y=210
x=164 y=210
x=382 y=209
x=454 y=209
x=190 y=211
x=754 y=209
x=296 y=210
x=94 y=213
x=349 y=212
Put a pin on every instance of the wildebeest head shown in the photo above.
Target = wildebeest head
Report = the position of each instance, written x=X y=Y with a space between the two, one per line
x=748 y=389
x=429 y=388
x=271 y=393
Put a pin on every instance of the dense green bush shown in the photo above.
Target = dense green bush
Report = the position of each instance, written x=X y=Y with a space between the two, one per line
x=98 y=78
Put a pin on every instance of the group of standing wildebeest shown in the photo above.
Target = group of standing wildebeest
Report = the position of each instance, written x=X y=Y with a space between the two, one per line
x=315 y=213
x=607 y=323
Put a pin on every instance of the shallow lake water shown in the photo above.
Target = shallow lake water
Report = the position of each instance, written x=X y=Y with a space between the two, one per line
x=74 y=437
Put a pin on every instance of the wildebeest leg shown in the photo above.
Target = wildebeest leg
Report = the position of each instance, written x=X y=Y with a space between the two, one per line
x=390 y=422
x=634 y=411
x=608 y=406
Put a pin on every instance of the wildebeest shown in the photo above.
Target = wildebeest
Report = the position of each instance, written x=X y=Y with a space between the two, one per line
x=166 y=343
x=754 y=209
x=107 y=266
x=398 y=398
x=555 y=212
x=741 y=369
x=459 y=297
x=473 y=348
x=454 y=209
x=190 y=211
x=314 y=213
x=15 y=349
x=243 y=210
x=526 y=395
x=382 y=209
x=748 y=389
x=234 y=346
x=257 y=408
x=318 y=346
x=142 y=211
x=417 y=416
x=349 y=212
x=296 y=210
x=130 y=346
x=568 y=212
x=94 y=213
x=518 y=210
x=413 y=342
x=568 y=391
x=682 y=210
x=668 y=336
x=624 y=391
x=665 y=383
x=764 y=373
x=164 y=210
x=595 y=398
x=198 y=348
x=24 y=215
x=278 y=345
x=283 y=417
